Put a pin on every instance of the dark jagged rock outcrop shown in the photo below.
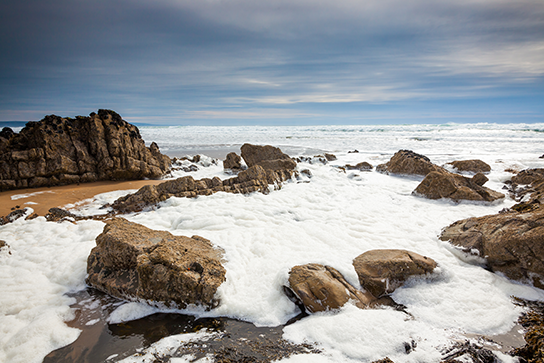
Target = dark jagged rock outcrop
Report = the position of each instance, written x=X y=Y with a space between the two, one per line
x=58 y=151
x=443 y=184
x=233 y=162
x=269 y=157
x=407 y=162
x=380 y=272
x=133 y=262
x=472 y=166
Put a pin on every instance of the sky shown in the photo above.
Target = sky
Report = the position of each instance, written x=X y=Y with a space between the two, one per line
x=274 y=62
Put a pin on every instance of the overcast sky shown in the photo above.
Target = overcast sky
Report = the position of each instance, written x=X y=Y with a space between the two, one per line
x=219 y=62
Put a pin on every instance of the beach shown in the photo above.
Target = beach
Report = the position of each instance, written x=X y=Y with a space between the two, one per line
x=327 y=216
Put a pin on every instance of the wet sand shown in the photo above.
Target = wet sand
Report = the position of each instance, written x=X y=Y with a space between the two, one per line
x=49 y=197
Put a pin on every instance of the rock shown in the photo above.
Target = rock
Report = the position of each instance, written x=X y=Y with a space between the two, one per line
x=133 y=262
x=511 y=242
x=330 y=157
x=473 y=166
x=248 y=181
x=362 y=166
x=532 y=320
x=13 y=216
x=322 y=288
x=408 y=162
x=443 y=184
x=58 y=151
x=269 y=157
x=380 y=272
x=528 y=176
x=233 y=162
x=3 y=244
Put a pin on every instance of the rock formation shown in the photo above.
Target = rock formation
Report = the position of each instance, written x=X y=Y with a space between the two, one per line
x=473 y=166
x=362 y=166
x=233 y=162
x=57 y=151
x=322 y=288
x=133 y=262
x=511 y=242
x=380 y=272
x=255 y=178
x=443 y=184
x=408 y=162
x=269 y=157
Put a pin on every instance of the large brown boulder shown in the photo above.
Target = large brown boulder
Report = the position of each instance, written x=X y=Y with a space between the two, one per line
x=133 y=262
x=269 y=157
x=232 y=162
x=511 y=243
x=248 y=181
x=57 y=151
x=443 y=184
x=473 y=166
x=322 y=288
x=407 y=162
x=380 y=272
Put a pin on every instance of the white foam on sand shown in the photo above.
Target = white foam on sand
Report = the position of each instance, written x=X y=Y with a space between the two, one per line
x=330 y=219
x=47 y=260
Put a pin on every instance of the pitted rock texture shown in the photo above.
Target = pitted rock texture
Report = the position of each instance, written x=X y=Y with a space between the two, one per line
x=59 y=151
x=133 y=262
x=408 y=162
x=511 y=243
x=233 y=162
x=380 y=272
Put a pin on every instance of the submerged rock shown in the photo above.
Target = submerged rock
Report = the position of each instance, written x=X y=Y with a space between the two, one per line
x=407 y=162
x=443 y=184
x=322 y=288
x=511 y=242
x=380 y=272
x=473 y=166
x=133 y=262
x=362 y=166
x=59 y=151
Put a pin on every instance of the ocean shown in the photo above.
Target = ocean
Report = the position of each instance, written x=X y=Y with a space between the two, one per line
x=329 y=218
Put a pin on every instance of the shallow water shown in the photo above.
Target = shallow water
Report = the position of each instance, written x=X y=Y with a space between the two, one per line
x=329 y=218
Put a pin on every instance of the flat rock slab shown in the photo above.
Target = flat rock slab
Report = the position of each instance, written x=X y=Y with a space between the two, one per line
x=380 y=272
x=134 y=262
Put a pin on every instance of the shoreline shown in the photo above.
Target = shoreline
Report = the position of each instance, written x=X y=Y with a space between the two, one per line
x=42 y=199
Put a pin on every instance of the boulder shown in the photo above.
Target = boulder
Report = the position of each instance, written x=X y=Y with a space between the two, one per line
x=528 y=176
x=269 y=157
x=58 y=151
x=472 y=166
x=380 y=272
x=322 y=288
x=510 y=242
x=330 y=157
x=443 y=184
x=407 y=162
x=133 y=262
x=233 y=162
x=362 y=166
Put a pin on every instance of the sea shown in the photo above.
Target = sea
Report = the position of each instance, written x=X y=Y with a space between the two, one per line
x=328 y=216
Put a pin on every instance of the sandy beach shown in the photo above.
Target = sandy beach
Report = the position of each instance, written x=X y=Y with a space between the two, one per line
x=42 y=199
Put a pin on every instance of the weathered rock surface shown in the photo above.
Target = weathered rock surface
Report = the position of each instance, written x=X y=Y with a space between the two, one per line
x=233 y=162
x=511 y=243
x=528 y=176
x=269 y=157
x=408 y=162
x=322 y=288
x=58 y=151
x=380 y=272
x=251 y=180
x=443 y=184
x=133 y=262
x=473 y=166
